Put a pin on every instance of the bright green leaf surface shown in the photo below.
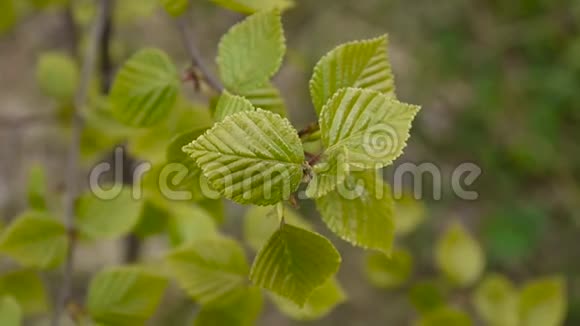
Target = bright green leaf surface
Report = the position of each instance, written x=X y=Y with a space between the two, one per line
x=10 y=312
x=294 y=263
x=363 y=64
x=360 y=211
x=124 y=296
x=260 y=222
x=212 y=271
x=145 y=89
x=459 y=256
x=108 y=218
x=251 y=157
x=320 y=303
x=543 y=302
x=266 y=97
x=153 y=219
x=496 y=301
x=252 y=51
x=27 y=288
x=372 y=126
x=57 y=75
x=229 y=104
x=35 y=240
x=252 y=6
x=389 y=271
x=244 y=311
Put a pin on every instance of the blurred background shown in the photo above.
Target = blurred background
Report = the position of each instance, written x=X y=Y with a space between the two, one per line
x=499 y=86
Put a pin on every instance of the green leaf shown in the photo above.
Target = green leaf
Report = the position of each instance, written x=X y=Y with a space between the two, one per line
x=427 y=296
x=99 y=218
x=244 y=311
x=328 y=173
x=543 y=302
x=266 y=97
x=252 y=6
x=212 y=271
x=57 y=75
x=496 y=301
x=37 y=188
x=151 y=144
x=124 y=296
x=27 y=288
x=459 y=256
x=409 y=214
x=189 y=222
x=153 y=219
x=229 y=104
x=8 y=15
x=389 y=271
x=260 y=222
x=145 y=89
x=251 y=52
x=447 y=316
x=10 y=312
x=362 y=64
x=175 y=7
x=251 y=157
x=294 y=263
x=35 y=240
x=360 y=211
x=372 y=126
x=320 y=303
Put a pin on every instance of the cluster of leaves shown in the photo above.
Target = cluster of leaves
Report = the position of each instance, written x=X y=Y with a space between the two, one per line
x=461 y=262
x=243 y=149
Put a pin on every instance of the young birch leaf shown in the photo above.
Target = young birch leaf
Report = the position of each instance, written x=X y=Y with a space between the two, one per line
x=98 y=218
x=10 y=312
x=459 y=256
x=27 y=288
x=389 y=271
x=244 y=311
x=37 y=188
x=251 y=157
x=229 y=104
x=175 y=7
x=124 y=296
x=409 y=214
x=145 y=89
x=266 y=97
x=57 y=75
x=252 y=6
x=360 y=211
x=362 y=64
x=320 y=303
x=251 y=52
x=496 y=301
x=189 y=170
x=212 y=271
x=188 y=223
x=331 y=171
x=543 y=302
x=35 y=240
x=372 y=126
x=260 y=222
x=294 y=263
x=8 y=15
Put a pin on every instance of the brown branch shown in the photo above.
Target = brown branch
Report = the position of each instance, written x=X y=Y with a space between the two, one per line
x=308 y=130
x=195 y=56
x=73 y=154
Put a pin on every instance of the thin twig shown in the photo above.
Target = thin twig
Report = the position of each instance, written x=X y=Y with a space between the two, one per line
x=308 y=130
x=73 y=154
x=196 y=59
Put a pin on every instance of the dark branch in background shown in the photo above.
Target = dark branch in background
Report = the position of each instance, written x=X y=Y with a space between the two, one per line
x=73 y=154
x=196 y=60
